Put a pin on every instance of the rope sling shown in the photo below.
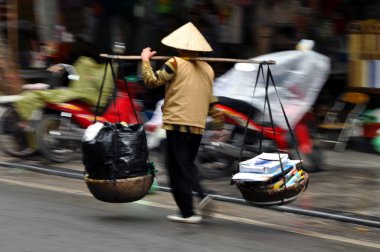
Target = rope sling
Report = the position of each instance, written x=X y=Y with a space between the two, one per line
x=254 y=195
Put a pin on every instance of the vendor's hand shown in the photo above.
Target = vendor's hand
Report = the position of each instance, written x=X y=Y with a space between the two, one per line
x=56 y=68
x=220 y=135
x=147 y=53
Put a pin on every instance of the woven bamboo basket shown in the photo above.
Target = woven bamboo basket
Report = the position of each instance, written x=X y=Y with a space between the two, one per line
x=119 y=190
x=269 y=197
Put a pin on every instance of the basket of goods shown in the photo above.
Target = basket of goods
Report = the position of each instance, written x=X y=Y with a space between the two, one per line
x=270 y=179
x=120 y=190
x=115 y=156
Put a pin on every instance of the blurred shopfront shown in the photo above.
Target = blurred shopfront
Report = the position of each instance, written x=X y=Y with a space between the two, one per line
x=235 y=28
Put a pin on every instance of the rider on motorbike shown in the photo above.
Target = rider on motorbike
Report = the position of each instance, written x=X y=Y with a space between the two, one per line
x=84 y=87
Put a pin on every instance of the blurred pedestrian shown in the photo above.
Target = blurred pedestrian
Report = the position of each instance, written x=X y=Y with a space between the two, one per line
x=188 y=101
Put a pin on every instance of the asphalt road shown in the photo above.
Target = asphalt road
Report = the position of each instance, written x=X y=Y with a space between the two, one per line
x=49 y=213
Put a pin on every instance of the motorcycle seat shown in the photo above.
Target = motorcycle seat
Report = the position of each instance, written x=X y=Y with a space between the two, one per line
x=246 y=109
x=240 y=106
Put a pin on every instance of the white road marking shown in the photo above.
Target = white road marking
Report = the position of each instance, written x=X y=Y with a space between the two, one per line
x=215 y=215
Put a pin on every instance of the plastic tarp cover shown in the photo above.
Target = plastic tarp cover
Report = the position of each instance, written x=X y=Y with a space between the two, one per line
x=298 y=76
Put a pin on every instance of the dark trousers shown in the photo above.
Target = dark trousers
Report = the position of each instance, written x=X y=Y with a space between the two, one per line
x=181 y=150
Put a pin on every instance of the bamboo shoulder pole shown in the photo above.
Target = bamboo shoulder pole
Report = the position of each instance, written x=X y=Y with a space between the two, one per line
x=208 y=59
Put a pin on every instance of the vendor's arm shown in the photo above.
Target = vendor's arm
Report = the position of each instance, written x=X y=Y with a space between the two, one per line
x=216 y=114
x=153 y=78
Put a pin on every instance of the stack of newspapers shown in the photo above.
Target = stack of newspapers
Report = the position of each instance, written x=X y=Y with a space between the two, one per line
x=272 y=169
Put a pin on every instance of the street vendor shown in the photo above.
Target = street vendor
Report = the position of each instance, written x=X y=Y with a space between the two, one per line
x=188 y=101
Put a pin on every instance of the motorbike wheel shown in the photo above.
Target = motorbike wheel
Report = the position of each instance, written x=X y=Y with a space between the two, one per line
x=217 y=162
x=14 y=140
x=213 y=168
x=314 y=161
x=52 y=145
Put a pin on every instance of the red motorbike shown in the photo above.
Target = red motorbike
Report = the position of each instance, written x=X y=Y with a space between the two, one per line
x=261 y=115
x=58 y=131
x=242 y=139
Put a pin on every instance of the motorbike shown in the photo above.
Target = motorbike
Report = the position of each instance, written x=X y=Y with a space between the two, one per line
x=17 y=141
x=61 y=128
x=248 y=130
x=57 y=130
x=298 y=77
x=219 y=154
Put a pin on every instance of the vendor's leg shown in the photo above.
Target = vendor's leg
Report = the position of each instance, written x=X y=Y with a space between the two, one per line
x=183 y=174
x=188 y=161
x=180 y=188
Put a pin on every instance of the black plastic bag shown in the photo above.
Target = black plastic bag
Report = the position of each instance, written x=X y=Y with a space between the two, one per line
x=117 y=151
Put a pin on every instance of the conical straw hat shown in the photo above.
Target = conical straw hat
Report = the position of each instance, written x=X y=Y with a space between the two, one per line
x=187 y=37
